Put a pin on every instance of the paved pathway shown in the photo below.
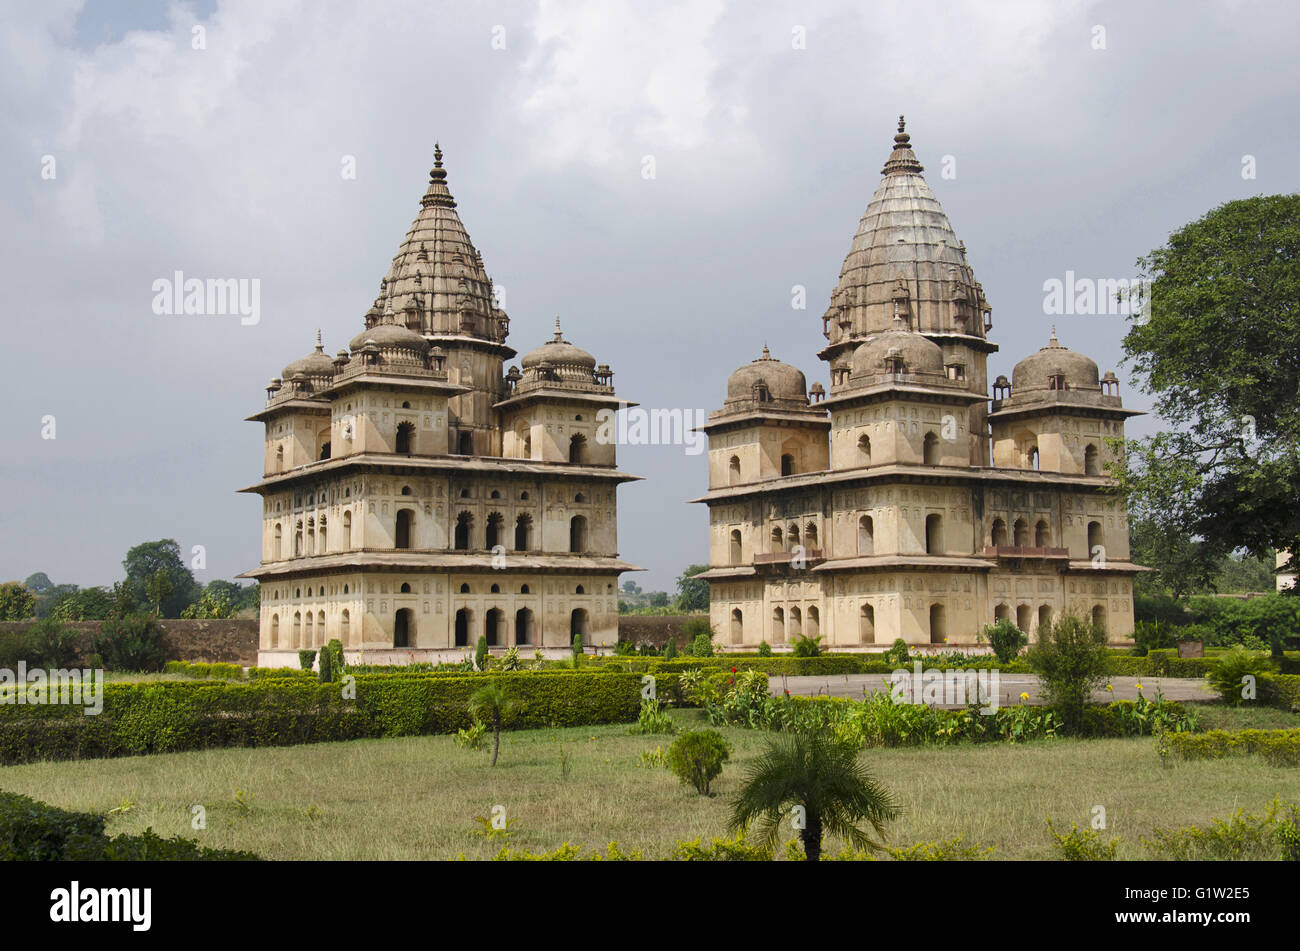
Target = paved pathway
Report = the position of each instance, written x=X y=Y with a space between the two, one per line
x=1010 y=686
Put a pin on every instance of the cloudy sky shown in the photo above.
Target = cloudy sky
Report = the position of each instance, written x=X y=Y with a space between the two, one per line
x=1079 y=134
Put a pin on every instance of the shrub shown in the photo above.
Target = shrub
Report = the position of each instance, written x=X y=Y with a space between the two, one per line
x=806 y=646
x=1152 y=634
x=1005 y=638
x=898 y=654
x=1082 y=845
x=653 y=720
x=948 y=850
x=481 y=653
x=624 y=648
x=472 y=737
x=1237 y=675
x=577 y=649
x=702 y=646
x=696 y=757
x=722 y=850
x=306 y=659
x=1242 y=837
x=133 y=642
x=764 y=649
x=670 y=649
x=325 y=675
x=510 y=661
x=1276 y=747
x=335 y=649
x=1071 y=661
x=52 y=644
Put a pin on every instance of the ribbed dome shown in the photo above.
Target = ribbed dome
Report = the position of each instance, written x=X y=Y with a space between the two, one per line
x=1036 y=370
x=905 y=259
x=558 y=352
x=437 y=273
x=920 y=354
x=316 y=363
x=783 y=381
x=390 y=335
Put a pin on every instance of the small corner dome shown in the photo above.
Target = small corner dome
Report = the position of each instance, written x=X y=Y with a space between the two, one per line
x=783 y=381
x=390 y=335
x=316 y=363
x=920 y=354
x=1036 y=370
x=558 y=352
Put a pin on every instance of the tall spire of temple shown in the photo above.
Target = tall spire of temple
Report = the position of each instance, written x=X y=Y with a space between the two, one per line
x=438 y=193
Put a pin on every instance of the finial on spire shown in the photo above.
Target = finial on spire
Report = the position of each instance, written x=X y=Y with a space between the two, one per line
x=902 y=123
x=1053 y=342
x=559 y=338
x=437 y=154
x=767 y=355
x=902 y=159
x=320 y=347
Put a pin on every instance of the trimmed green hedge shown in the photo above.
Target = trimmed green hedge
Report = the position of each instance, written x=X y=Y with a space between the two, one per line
x=203 y=671
x=1278 y=747
x=1281 y=690
x=171 y=716
x=33 y=831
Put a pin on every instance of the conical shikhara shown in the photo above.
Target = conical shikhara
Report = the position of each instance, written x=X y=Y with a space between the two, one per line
x=418 y=495
x=898 y=500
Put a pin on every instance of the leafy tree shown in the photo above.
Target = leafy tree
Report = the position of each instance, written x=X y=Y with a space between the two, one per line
x=212 y=604
x=1220 y=352
x=38 y=582
x=1243 y=572
x=696 y=757
x=48 y=597
x=1183 y=565
x=16 y=602
x=659 y=599
x=692 y=591
x=1005 y=638
x=131 y=643
x=826 y=779
x=145 y=561
x=491 y=705
x=87 y=604
x=159 y=588
x=631 y=587
x=1071 y=661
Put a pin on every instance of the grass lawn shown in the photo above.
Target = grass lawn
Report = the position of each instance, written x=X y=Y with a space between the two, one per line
x=416 y=798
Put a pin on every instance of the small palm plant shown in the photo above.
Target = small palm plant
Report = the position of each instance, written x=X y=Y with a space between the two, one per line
x=822 y=785
x=491 y=705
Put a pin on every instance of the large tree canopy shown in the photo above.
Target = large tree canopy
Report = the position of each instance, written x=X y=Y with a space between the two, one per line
x=1219 y=349
x=145 y=563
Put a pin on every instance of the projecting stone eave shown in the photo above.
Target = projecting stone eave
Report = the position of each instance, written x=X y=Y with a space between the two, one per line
x=569 y=396
x=916 y=562
x=1039 y=407
x=414 y=560
x=462 y=341
x=1110 y=567
x=448 y=463
x=721 y=421
x=909 y=474
x=413 y=383
x=297 y=404
x=880 y=392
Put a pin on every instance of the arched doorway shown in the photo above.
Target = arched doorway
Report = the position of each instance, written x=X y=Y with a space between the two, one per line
x=1099 y=617
x=1024 y=617
x=404 y=628
x=494 y=627
x=578 y=533
x=867 y=624
x=404 y=519
x=463 y=618
x=579 y=625
x=938 y=625
x=737 y=626
x=524 y=626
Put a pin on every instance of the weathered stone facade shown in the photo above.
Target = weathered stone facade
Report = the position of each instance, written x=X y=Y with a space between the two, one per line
x=415 y=496
x=903 y=503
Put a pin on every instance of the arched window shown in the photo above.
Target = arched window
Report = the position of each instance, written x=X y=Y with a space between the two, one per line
x=496 y=525
x=578 y=533
x=1031 y=457
x=1091 y=464
x=465 y=443
x=938 y=625
x=324 y=451
x=1099 y=617
x=787 y=464
x=523 y=626
x=279 y=459
x=275 y=542
x=1024 y=617
x=464 y=589
x=1001 y=613
x=406 y=490
x=791 y=537
x=778 y=539
x=867 y=624
x=930 y=450
x=934 y=535
x=405 y=437
x=1042 y=534
x=309 y=632
x=322 y=537
x=309 y=537
x=495 y=589
x=404 y=628
x=406 y=588
x=999 y=533
x=464 y=617
x=737 y=626
x=736 y=556
x=579 y=590
x=578 y=449
x=347 y=528
x=810 y=535
x=795 y=626
x=403 y=534
x=778 y=626
x=579 y=625
x=734 y=470
x=523 y=532
x=1044 y=617
x=866 y=536
x=275 y=630
x=1095 y=540
x=464 y=526
x=864 y=450
x=494 y=627
x=1021 y=533
x=814 y=622
x=345 y=627
x=297 y=629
